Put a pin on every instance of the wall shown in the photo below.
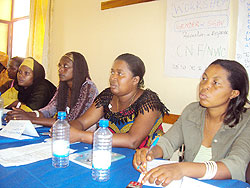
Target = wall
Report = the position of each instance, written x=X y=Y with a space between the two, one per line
x=80 y=25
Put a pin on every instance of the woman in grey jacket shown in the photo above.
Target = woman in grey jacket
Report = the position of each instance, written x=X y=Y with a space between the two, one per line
x=215 y=131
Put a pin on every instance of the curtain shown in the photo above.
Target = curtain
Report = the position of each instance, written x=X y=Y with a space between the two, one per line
x=40 y=28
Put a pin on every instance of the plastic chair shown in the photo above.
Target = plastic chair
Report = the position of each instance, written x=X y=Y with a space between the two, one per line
x=171 y=119
x=248 y=173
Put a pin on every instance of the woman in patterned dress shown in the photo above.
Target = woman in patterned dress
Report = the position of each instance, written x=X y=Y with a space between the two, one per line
x=134 y=114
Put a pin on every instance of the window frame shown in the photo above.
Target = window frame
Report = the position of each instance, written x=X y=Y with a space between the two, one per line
x=10 y=28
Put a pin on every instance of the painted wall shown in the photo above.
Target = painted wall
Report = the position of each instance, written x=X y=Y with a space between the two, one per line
x=80 y=25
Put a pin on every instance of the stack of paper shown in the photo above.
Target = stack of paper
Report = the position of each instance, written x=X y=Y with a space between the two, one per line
x=15 y=129
x=26 y=154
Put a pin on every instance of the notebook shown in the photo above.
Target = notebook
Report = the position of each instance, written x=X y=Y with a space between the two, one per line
x=84 y=158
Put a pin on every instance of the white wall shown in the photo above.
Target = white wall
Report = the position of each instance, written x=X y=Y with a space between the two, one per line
x=80 y=25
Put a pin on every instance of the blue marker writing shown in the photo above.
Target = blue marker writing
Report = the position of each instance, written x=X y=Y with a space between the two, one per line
x=151 y=147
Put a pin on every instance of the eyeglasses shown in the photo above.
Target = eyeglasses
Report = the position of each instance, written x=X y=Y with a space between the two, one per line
x=64 y=66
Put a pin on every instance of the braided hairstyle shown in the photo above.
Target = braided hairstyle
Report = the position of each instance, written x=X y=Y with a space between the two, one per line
x=80 y=74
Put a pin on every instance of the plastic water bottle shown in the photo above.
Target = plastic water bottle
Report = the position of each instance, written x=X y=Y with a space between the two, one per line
x=60 y=142
x=1 y=110
x=102 y=149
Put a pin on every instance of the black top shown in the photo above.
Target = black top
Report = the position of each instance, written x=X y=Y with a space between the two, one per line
x=40 y=92
x=148 y=100
x=38 y=95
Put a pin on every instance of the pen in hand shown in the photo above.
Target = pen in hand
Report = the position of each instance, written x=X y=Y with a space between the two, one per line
x=18 y=105
x=45 y=133
x=151 y=147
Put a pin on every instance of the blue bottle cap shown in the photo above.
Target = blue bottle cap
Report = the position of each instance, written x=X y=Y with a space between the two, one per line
x=61 y=114
x=103 y=123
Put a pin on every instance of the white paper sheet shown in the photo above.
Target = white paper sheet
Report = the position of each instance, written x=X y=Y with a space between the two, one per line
x=15 y=129
x=185 y=182
x=5 y=111
x=29 y=128
x=243 y=35
x=26 y=154
x=197 y=33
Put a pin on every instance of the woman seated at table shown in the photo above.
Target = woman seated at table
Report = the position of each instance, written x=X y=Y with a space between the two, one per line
x=12 y=70
x=33 y=91
x=3 y=68
x=134 y=114
x=75 y=94
x=215 y=131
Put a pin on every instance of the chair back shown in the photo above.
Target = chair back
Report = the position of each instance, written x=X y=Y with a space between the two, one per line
x=248 y=173
x=171 y=119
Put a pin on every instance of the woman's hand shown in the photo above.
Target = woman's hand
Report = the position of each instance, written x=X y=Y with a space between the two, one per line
x=140 y=159
x=17 y=114
x=75 y=135
x=164 y=174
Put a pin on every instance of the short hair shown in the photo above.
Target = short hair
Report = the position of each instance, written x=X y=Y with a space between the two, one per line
x=238 y=79
x=136 y=66
x=80 y=74
x=17 y=60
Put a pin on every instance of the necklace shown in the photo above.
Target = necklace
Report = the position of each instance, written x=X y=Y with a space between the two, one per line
x=131 y=101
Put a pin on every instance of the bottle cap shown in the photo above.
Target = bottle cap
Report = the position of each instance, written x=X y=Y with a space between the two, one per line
x=103 y=123
x=61 y=114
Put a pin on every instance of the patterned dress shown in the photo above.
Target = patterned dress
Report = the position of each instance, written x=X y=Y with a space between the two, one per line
x=88 y=92
x=121 y=122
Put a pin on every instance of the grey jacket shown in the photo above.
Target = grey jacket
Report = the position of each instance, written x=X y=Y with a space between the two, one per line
x=230 y=145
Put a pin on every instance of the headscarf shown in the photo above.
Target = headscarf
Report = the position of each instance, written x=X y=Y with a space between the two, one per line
x=37 y=68
x=39 y=75
x=4 y=59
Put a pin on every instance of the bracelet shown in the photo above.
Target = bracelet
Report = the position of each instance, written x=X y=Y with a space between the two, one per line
x=37 y=113
x=211 y=170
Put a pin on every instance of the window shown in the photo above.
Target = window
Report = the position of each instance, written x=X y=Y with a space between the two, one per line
x=14 y=26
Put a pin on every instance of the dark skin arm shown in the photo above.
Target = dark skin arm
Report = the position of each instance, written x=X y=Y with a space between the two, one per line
x=5 y=86
x=140 y=129
x=20 y=114
x=13 y=104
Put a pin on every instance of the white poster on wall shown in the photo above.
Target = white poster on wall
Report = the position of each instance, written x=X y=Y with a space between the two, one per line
x=197 y=33
x=243 y=35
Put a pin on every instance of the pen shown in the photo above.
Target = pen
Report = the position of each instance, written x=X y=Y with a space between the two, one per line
x=45 y=133
x=18 y=104
x=151 y=147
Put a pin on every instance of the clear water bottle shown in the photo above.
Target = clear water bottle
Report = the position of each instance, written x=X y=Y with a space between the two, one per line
x=102 y=149
x=60 y=141
x=1 y=110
